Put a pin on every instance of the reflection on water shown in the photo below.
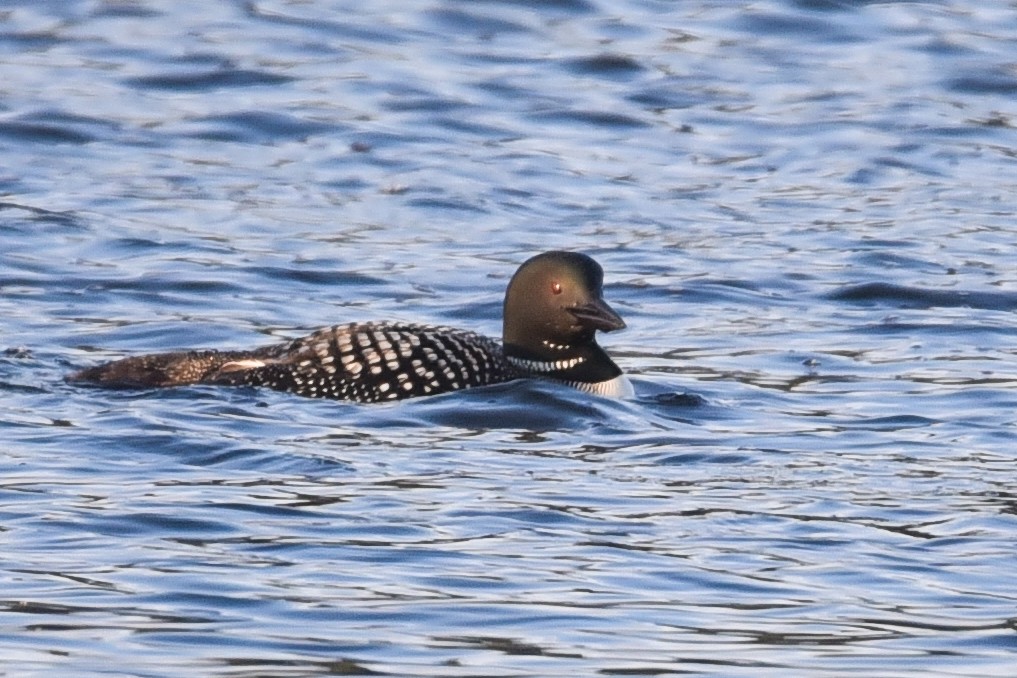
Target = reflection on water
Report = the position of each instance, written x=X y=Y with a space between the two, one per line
x=804 y=213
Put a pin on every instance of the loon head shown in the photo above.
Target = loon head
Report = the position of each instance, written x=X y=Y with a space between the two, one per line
x=553 y=308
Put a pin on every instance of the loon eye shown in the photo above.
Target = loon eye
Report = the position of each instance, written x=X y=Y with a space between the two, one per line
x=556 y=288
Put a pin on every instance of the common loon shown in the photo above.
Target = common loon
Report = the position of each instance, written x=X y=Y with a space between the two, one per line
x=553 y=307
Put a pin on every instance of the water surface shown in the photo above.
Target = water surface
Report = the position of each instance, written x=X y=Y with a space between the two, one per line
x=805 y=212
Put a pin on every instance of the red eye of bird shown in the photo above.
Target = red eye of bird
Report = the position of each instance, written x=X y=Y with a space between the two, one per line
x=556 y=287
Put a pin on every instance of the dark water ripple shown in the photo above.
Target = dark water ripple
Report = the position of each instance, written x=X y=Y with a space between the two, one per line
x=900 y=296
x=222 y=75
x=806 y=215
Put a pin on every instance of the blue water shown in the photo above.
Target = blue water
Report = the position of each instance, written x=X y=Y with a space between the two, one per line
x=805 y=212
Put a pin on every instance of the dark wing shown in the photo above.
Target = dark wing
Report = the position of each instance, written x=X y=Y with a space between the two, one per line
x=370 y=362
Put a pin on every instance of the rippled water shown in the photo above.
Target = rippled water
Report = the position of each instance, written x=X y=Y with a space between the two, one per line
x=805 y=211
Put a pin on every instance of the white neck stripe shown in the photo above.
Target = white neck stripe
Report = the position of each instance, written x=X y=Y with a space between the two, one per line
x=544 y=366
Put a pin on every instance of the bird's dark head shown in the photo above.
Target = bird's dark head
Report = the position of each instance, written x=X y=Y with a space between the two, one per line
x=555 y=299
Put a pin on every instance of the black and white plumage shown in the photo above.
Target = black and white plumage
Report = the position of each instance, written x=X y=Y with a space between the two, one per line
x=553 y=307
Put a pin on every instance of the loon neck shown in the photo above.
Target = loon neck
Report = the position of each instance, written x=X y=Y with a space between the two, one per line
x=583 y=364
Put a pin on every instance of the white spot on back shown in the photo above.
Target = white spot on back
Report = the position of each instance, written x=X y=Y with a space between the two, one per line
x=238 y=365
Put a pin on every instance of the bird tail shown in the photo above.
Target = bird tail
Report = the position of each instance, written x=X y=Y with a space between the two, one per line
x=179 y=368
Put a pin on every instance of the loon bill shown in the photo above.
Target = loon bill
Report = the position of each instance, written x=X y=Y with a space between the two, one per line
x=553 y=308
